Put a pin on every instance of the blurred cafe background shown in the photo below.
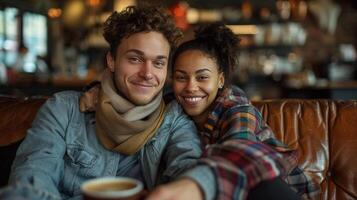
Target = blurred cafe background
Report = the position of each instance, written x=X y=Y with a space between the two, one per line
x=289 y=48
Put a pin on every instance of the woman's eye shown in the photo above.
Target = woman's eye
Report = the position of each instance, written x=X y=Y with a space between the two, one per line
x=202 y=77
x=180 y=78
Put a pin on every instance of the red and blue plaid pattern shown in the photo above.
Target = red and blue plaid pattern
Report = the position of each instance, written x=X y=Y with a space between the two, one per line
x=242 y=149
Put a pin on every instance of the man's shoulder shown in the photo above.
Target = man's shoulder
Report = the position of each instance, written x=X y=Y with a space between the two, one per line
x=68 y=99
x=175 y=116
x=176 y=123
x=69 y=94
x=174 y=109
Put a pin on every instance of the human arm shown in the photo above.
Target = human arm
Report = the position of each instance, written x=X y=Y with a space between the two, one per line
x=39 y=159
x=238 y=160
x=247 y=150
x=183 y=146
x=180 y=154
x=177 y=190
x=181 y=151
x=246 y=121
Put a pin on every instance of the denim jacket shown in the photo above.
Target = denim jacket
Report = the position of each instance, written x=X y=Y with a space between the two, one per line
x=61 y=151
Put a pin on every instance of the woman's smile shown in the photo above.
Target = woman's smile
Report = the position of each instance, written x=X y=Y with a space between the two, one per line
x=193 y=100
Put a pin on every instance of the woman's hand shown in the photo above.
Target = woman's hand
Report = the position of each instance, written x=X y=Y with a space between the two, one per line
x=182 y=189
x=88 y=101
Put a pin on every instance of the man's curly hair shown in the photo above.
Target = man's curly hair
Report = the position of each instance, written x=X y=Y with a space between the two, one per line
x=133 y=20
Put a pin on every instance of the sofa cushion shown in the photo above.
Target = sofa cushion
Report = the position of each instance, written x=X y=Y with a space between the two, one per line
x=323 y=131
x=325 y=134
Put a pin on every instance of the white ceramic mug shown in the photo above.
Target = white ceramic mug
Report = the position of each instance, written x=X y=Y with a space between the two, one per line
x=112 y=188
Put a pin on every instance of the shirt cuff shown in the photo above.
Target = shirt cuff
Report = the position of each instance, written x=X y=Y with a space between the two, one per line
x=205 y=178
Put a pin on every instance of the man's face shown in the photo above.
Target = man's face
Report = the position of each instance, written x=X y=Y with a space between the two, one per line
x=140 y=66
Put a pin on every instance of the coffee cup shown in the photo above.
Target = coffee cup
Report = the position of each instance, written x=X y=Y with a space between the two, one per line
x=112 y=188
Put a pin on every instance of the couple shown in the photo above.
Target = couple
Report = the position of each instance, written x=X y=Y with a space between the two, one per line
x=133 y=133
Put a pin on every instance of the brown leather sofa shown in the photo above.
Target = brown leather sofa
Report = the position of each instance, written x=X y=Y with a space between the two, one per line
x=323 y=131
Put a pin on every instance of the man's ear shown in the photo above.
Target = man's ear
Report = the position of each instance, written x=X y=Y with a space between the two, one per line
x=110 y=61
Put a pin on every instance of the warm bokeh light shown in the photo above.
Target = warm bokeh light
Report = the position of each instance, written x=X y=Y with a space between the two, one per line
x=120 y=5
x=73 y=12
x=179 y=12
x=210 y=15
x=243 y=29
x=193 y=15
x=54 y=12
x=94 y=2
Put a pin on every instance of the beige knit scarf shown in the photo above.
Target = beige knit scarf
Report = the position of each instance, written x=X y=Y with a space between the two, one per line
x=122 y=126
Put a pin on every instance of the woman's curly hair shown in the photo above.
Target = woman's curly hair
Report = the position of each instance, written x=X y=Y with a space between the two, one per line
x=139 y=19
x=218 y=42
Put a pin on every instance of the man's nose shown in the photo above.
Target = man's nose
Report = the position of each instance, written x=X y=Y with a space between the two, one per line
x=146 y=70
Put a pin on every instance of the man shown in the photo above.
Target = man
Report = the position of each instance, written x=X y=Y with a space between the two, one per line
x=132 y=133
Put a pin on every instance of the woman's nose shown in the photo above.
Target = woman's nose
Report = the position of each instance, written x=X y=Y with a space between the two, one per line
x=192 y=85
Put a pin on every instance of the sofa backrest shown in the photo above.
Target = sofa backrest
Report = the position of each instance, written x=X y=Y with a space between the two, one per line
x=325 y=134
x=16 y=114
x=323 y=131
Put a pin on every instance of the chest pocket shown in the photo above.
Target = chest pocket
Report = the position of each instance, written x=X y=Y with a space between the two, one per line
x=80 y=164
x=80 y=156
x=154 y=147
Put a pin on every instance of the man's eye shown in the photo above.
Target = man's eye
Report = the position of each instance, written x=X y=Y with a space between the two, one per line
x=159 y=64
x=134 y=59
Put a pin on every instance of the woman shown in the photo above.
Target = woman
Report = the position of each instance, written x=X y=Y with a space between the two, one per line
x=241 y=151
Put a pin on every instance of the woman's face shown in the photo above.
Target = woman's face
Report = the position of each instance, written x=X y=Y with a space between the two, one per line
x=196 y=81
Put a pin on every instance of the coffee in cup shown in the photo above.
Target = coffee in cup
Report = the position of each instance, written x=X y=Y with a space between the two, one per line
x=112 y=188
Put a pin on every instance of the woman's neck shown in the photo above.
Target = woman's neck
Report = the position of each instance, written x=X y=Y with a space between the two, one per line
x=200 y=120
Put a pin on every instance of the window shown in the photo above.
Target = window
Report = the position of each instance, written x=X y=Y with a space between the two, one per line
x=2 y=36
x=35 y=38
x=11 y=31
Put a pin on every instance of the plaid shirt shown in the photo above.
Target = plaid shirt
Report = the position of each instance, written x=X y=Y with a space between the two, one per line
x=242 y=150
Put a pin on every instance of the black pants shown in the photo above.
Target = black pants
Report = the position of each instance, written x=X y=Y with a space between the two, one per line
x=275 y=189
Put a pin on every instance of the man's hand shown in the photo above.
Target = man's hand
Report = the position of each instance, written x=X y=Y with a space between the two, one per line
x=88 y=101
x=182 y=189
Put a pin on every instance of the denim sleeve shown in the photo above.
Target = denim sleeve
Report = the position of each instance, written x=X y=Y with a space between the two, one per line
x=24 y=191
x=205 y=178
x=183 y=148
x=39 y=159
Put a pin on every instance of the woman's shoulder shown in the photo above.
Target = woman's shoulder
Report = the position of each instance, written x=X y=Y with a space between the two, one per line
x=237 y=95
x=235 y=101
x=230 y=97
